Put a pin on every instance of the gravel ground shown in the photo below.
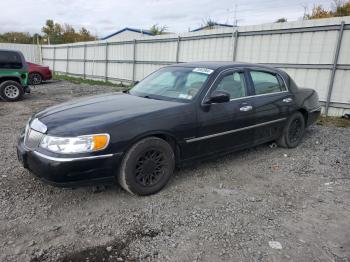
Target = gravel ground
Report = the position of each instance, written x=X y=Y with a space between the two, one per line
x=229 y=209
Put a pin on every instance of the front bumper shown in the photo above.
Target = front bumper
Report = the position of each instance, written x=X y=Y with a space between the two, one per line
x=69 y=171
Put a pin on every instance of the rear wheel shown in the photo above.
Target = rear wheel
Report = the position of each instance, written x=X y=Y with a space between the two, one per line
x=11 y=91
x=35 y=79
x=293 y=131
x=147 y=166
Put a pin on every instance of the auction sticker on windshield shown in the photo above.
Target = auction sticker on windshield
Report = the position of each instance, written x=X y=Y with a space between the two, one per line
x=206 y=71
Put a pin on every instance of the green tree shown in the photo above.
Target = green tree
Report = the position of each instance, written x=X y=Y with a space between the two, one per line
x=158 y=30
x=209 y=23
x=61 y=34
x=281 y=20
x=85 y=35
x=16 y=37
x=339 y=8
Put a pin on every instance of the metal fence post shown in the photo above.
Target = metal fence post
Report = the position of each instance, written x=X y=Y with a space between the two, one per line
x=106 y=62
x=334 y=67
x=84 y=62
x=134 y=63
x=178 y=49
x=67 y=60
x=235 y=42
x=54 y=59
x=41 y=54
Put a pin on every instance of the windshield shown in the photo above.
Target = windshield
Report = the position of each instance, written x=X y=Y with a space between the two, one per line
x=172 y=83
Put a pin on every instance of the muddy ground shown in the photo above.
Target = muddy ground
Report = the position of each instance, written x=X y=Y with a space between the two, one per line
x=229 y=209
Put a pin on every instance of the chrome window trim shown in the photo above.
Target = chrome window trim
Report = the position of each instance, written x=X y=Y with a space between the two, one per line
x=270 y=72
x=70 y=159
x=242 y=69
x=233 y=131
x=258 y=95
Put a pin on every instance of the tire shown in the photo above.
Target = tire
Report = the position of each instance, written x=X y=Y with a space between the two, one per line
x=293 y=131
x=35 y=79
x=11 y=91
x=147 y=166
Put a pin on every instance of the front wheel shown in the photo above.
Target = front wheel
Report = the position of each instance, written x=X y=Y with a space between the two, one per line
x=293 y=131
x=11 y=91
x=147 y=166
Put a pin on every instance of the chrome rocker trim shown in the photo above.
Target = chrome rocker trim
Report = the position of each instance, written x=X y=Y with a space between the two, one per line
x=233 y=131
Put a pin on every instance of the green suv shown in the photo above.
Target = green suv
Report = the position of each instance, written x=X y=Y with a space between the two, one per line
x=13 y=75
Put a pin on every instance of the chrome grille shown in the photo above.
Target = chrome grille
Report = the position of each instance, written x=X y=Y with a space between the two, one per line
x=32 y=138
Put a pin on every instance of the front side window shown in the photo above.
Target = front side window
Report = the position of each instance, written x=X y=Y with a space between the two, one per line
x=233 y=84
x=266 y=83
x=179 y=83
x=10 y=60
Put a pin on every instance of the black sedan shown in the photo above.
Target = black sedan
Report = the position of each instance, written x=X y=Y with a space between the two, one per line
x=177 y=115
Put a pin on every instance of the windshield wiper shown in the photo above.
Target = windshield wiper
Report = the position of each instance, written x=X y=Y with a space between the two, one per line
x=151 y=97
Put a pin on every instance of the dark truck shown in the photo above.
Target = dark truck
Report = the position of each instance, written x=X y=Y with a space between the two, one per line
x=13 y=75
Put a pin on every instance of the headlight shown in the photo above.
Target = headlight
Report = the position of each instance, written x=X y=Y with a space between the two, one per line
x=75 y=145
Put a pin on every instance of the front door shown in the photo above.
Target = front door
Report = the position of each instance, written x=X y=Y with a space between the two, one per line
x=225 y=126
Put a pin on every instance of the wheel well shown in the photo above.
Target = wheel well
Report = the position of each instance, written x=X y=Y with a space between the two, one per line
x=168 y=138
x=35 y=72
x=7 y=78
x=172 y=142
x=305 y=114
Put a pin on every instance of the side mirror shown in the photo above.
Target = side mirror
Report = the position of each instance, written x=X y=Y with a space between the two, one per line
x=135 y=83
x=218 y=97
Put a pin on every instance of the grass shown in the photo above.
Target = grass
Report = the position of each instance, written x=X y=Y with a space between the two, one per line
x=333 y=121
x=79 y=80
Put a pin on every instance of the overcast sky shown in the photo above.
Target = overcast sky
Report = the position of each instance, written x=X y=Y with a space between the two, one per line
x=102 y=17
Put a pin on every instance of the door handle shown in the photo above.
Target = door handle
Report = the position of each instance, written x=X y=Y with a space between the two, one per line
x=246 y=108
x=287 y=100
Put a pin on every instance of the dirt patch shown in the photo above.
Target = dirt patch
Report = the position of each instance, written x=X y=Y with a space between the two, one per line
x=228 y=209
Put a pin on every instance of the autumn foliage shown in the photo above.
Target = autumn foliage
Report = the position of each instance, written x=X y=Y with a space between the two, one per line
x=340 y=8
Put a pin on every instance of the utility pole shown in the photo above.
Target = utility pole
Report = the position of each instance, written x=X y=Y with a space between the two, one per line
x=305 y=11
x=235 y=16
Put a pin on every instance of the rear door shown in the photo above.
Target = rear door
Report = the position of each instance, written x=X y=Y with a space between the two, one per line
x=223 y=126
x=273 y=103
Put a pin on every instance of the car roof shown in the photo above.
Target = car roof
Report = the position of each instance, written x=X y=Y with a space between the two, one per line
x=225 y=65
x=222 y=65
x=10 y=50
x=218 y=66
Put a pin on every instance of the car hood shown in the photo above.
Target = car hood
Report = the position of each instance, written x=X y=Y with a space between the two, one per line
x=93 y=114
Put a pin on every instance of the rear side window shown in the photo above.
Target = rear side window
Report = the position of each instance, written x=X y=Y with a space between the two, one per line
x=10 y=60
x=266 y=83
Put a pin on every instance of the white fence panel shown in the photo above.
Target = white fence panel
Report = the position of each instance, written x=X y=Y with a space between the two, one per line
x=122 y=71
x=76 y=68
x=96 y=52
x=76 y=53
x=120 y=52
x=162 y=51
x=30 y=52
x=305 y=49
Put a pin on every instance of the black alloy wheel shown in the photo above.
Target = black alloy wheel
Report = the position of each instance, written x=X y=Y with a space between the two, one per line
x=147 y=166
x=293 y=131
